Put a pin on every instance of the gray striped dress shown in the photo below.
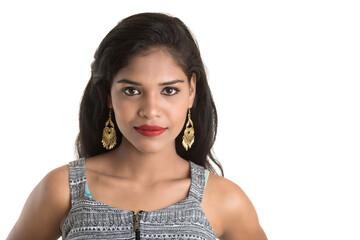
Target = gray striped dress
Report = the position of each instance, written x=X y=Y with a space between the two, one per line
x=90 y=219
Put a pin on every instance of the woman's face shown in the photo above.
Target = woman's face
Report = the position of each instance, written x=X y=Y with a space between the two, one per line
x=151 y=90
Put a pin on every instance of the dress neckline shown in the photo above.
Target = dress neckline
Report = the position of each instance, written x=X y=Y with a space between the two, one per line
x=192 y=186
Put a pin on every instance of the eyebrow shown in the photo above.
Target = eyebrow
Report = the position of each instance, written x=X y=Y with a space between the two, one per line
x=139 y=84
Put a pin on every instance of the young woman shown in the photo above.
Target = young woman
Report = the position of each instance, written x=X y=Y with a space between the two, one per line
x=147 y=126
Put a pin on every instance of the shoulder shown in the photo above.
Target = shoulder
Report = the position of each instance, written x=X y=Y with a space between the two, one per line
x=229 y=196
x=53 y=190
x=53 y=193
x=238 y=216
x=45 y=208
x=54 y=187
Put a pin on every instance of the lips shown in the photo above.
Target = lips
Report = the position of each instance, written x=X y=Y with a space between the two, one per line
x=150 y=131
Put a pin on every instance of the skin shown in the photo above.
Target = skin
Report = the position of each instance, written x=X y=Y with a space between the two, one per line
x=142 y=167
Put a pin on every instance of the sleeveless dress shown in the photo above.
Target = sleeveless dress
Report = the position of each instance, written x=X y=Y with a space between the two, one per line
x=90 y=219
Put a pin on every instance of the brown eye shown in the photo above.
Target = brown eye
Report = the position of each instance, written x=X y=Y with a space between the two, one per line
x=130 y=91
x=169 y=91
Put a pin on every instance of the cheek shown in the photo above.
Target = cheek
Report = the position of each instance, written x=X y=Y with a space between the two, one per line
x=124 y=114
x=178 y=116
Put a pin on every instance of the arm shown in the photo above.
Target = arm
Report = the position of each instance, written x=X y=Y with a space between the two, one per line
x=238 y=215
x=46 y=207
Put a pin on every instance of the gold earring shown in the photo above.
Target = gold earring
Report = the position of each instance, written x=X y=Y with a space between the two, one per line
x=189 y=137
x=109 y=134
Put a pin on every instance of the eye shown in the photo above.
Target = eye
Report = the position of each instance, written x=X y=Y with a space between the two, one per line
x=130 y=91
x=169 y=91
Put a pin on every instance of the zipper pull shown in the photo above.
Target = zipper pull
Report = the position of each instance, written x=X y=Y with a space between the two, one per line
x=137 y=224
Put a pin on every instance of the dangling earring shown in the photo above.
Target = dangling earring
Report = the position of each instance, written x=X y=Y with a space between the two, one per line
x=189 y=137
x=109 y=134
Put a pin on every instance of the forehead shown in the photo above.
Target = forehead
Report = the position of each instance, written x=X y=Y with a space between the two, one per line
x=155 y=63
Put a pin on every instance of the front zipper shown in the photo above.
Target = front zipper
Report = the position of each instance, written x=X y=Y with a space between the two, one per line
x=137 y=224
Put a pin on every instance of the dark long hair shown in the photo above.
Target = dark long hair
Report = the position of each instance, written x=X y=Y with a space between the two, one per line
x=131 y=36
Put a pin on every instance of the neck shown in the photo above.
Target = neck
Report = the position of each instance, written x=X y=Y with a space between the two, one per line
x=147 y=167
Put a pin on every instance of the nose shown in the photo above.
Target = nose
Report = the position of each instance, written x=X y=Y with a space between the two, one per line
x=150 y=107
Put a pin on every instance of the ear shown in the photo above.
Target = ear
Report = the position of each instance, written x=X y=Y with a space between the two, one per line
x=109 y=102
x=192 y=90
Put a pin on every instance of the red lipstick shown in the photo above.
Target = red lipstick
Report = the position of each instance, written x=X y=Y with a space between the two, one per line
x=150 y=131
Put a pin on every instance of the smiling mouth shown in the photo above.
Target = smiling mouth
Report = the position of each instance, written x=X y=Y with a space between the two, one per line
x=150 y=131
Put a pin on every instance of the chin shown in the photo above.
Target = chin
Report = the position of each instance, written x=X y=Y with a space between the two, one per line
x=150 y=145
x=150 y=148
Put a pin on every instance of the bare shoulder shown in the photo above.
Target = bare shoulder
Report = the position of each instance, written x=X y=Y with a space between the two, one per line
x=233 y=197
x=45 y=208
x=239 y=219
x=56 y=186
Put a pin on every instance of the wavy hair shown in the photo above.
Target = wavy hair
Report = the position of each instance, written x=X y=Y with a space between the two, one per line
x=131 y=36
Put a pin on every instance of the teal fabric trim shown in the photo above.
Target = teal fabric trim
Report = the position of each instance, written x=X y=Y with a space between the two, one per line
x=207 y=172
x=88 y=192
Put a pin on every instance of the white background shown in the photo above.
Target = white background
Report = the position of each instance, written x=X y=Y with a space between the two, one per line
x=284 y=75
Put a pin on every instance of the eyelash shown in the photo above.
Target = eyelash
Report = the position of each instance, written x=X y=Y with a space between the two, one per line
x=125 y=91
x=173 y=88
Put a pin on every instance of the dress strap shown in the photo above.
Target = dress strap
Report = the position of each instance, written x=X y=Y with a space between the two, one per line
x=197 y=181
x=77 y=177
x=207 y=172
